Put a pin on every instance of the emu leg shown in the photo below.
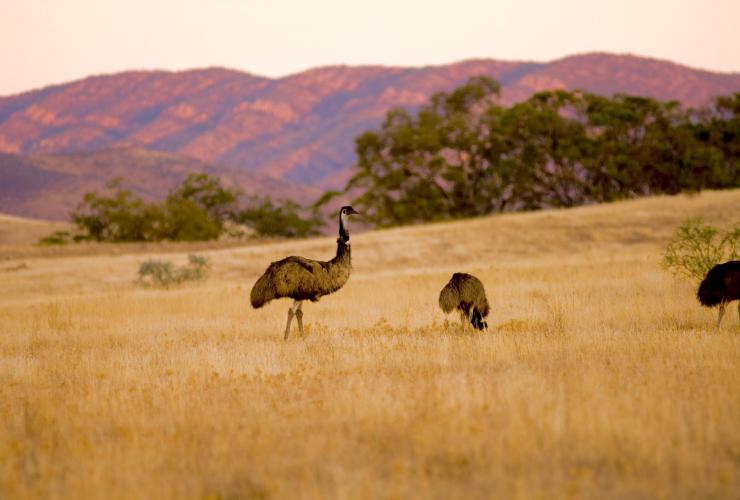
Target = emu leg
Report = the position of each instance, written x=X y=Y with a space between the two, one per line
x=299 y=317
x=738 y=311
x=721 y=313
x=287 y=326
x=291 y=312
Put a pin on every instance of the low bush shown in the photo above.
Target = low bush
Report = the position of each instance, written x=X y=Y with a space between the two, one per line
x=159 y=273
x=697 y=247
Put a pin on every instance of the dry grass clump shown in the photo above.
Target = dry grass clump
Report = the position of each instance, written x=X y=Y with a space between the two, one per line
x=599 y=377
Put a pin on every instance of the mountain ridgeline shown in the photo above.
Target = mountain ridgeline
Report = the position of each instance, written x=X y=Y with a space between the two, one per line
x=301 y=127
x=534 y=142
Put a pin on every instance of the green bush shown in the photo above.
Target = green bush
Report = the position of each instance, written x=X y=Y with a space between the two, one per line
x=697 y=247
x=118 y=215
x=159 y=273
x=56 y=238
x=270 y=219
x=186 y=221
x=199 y=209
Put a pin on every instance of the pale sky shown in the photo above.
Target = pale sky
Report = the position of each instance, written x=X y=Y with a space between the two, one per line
x=53 y=41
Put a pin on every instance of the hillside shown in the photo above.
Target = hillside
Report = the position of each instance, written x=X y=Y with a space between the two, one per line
x=301 y=127
x=600 y=376
x=49 y=186
x=21 y=231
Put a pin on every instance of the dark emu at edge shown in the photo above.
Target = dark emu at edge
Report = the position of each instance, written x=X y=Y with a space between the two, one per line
x=721 y=286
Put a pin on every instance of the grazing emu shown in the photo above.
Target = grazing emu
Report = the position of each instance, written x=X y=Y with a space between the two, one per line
x=465 y=293
x=720 y=286
x=305 y=279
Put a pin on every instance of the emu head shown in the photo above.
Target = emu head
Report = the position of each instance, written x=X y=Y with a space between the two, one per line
x=344 y=213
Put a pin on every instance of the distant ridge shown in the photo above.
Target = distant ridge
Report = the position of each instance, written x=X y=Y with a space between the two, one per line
x=299 y=128
x=49 y=186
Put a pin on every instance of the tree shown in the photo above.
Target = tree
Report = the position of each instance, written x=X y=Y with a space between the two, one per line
x=546 y=149
x=207 y=193
x=118 y=216
x=186 y=220
x=430 y=166
x=195 y=210
x=463 y=154
x=283 y=219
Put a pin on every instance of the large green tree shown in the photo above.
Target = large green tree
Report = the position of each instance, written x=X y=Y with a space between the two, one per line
x=463 y=154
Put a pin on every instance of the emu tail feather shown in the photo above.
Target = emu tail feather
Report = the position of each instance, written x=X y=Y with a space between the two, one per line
x=712 y=288
x=262 y=291
x=449 y=298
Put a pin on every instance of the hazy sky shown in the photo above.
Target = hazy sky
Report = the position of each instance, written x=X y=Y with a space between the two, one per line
x=53 y=41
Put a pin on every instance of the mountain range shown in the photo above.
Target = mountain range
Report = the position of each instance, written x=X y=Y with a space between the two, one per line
x=288 y=137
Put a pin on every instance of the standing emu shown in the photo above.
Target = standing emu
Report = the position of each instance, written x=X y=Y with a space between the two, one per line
x=465 y=293
x=720 y=286
x=305 y=279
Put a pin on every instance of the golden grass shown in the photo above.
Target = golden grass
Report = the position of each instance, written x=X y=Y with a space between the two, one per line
x=600 y=375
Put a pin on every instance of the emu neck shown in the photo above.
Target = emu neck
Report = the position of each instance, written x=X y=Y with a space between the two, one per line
x=343 y=231
x=344 y=251
x=343 y=248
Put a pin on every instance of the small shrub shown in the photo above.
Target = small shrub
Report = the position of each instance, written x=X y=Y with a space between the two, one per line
x=159 y=273
x=697 y=247
x=156 y=273
x=56 y=238
x=196 y=270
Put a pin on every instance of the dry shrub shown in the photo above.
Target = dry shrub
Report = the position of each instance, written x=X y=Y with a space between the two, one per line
x=697 y=247
x=159 y=273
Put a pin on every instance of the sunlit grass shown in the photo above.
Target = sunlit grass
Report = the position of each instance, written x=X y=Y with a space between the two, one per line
x=600 y=375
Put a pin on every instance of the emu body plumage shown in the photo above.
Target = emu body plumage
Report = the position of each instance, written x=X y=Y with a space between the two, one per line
x=465 y=293
x=302 y=279
x=721 y=286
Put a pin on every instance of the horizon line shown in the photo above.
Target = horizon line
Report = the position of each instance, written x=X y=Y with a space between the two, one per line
x=359 y=66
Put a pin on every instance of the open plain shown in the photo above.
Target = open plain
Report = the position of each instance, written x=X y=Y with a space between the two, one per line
x=600 y=376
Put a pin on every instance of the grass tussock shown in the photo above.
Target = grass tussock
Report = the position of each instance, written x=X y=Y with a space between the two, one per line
x=599 y=377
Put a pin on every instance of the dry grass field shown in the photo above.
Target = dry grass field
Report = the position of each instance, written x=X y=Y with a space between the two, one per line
x=600 y=375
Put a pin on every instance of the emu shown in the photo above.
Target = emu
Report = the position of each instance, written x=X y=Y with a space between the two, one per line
x=304 y=279
x=465 y=293
x=721 y=286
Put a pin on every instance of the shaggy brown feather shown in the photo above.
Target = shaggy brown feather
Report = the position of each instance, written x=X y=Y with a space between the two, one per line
x=465 y=293
x=303 y=279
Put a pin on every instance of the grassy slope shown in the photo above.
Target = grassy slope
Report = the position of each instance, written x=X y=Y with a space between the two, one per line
x=19 y=231
x=600 y=375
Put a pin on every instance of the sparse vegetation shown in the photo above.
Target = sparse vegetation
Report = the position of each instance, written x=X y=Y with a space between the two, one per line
x=164 y=274
x=56 y=238
x=697 y=247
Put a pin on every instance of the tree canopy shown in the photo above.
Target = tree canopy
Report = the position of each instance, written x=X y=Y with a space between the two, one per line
x=464 y=154
x=197 y=209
